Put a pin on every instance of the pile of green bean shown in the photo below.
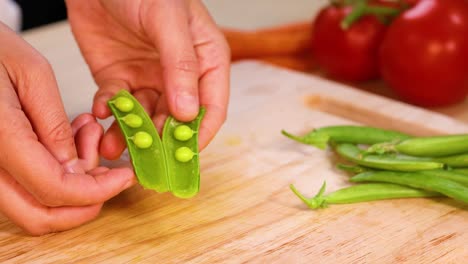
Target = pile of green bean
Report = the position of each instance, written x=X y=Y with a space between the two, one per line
x=387 y=164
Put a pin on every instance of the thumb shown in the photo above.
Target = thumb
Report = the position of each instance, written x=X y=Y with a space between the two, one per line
x=177 y=55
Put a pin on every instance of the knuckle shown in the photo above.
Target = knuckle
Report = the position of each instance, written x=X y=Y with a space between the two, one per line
x=222 y=113
x=38 y=67
x=47 y=197
x=225 y=50
x=60 y=131
x=188 y=65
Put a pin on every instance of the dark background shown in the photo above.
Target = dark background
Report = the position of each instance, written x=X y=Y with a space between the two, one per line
x=41 y=12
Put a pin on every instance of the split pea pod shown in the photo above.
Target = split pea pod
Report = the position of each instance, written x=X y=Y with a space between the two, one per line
x=386 y=162
x=181 y=147
x=362 y=193
x=143 y=142
x=436 y=146
x=320 y=137
x=167 y=164
x=426 y=182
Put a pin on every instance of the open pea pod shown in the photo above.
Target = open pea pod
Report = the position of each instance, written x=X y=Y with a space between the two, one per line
x=149 y=163
x=170 y=164
x=181 y=147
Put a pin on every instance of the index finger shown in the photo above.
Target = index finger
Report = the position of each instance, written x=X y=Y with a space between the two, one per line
x=214 y=54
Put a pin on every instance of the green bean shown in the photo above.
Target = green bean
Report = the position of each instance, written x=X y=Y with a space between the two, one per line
x=448 y=174
x=182 y=158
x=352 y=168
x=454 y=161
x=362 y=193
x=354 y=154
x=454 y=175
x=346 y=134
x=423 y=181
x=436 y=146
x=461 y=171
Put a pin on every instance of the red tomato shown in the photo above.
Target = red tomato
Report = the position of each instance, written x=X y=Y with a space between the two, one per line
x=349 y=55
x=424 y=56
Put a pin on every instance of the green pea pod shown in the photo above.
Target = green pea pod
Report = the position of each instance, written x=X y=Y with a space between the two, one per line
x=454 y=161
x=461 y=171
x=170 y=164
x=148 y=163
x=386 y=162
x=423 y=181
x=436 y=146
x=460 y=176
x=346 y=134
x=362 y=193
x=447 y=174
x=183 y=172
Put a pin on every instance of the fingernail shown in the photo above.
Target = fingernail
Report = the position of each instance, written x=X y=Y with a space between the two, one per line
x=187 y=104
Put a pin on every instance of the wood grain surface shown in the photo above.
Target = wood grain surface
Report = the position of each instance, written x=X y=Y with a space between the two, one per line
x=245 y=212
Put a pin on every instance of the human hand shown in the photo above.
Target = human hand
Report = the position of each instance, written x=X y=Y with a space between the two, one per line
x=169 y=54
x=49 y=179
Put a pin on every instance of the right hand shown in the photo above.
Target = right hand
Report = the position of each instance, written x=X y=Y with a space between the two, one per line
x=49 y=179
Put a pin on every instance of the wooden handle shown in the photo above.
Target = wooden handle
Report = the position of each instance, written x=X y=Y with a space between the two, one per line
x=299 y=62
x=290 y=39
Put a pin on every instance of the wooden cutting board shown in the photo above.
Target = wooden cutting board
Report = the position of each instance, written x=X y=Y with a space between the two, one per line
x=245 y=211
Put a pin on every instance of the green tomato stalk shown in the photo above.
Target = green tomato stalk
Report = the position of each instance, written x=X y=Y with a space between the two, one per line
x=362 y=8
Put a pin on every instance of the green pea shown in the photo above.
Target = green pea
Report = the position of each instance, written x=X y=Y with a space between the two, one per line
x=423 y=181
x=386 y=162
x=184 y=154
x=132 y=120
x=124 y=104
x=362 y=193
x=346 y=134
x=183 y=133
x=142 y=140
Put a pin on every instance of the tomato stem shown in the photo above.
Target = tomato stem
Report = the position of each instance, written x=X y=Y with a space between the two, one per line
x=361 y=8
x=381 y=10
x=358 y=12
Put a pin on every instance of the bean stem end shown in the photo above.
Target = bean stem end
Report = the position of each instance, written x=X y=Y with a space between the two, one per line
x=318 y=201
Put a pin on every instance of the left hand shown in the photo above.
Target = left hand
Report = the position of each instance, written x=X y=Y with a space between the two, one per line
x=169 y=54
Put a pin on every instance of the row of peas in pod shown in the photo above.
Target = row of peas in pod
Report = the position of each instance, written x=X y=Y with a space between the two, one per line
x=167 y=163
x=387 y=164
